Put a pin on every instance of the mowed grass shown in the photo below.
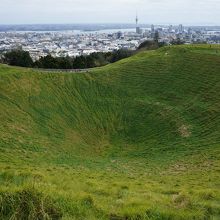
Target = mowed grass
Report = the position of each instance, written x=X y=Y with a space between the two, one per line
x=138 y=139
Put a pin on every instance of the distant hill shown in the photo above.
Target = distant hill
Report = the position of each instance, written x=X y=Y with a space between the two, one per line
x=138 y=139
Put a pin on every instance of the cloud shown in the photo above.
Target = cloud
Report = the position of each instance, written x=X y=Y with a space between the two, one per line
x=120 y=11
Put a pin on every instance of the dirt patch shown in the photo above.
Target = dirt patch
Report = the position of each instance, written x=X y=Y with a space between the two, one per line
x=184 y=131
x=181 y=201
x=17 y=127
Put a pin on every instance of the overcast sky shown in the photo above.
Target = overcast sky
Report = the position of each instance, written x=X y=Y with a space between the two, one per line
x=195 y=12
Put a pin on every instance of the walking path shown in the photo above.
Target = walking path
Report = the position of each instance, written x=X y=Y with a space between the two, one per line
x=63 y=70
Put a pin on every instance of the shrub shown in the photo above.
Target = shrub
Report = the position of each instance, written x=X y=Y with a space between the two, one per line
x=28 y=204
x=18 y=58
x=88 y=201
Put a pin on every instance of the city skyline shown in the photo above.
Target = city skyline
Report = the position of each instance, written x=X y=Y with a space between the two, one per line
x=203 y=12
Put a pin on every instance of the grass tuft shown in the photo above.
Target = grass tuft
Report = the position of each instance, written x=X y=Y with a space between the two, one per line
x=28 y=204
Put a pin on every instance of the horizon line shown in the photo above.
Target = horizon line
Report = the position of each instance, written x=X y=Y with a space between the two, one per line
x=109 y=23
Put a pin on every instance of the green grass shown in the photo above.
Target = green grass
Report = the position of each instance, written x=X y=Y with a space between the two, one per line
x=138 y=139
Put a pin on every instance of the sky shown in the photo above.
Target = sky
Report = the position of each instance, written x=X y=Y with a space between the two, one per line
x=189 y=12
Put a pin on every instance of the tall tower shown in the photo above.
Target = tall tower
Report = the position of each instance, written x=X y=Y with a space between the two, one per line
x=138 y=29
x=136 y=19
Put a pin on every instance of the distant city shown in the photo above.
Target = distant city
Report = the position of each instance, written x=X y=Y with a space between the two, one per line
x=76 y=40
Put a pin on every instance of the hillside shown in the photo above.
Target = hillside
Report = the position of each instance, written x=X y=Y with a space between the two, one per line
x=138 y=139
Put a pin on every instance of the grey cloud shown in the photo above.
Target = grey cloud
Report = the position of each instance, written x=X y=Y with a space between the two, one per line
x=117 y=11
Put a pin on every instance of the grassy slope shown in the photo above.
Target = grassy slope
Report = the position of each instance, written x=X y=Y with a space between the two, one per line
x=139 y=138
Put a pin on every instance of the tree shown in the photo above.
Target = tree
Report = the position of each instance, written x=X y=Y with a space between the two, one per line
x=79 y=62
x=47 y=62
x=22 y=58
x=148 y=45
x=18 y=58
x=65 y=62
x=120 y=54
x=90 y=61
x=177 y=41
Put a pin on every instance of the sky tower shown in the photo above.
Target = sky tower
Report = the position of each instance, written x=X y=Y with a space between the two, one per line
x=136 y=19
x=138 y=29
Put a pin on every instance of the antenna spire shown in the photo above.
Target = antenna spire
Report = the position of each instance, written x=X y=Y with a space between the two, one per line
x=136 y=19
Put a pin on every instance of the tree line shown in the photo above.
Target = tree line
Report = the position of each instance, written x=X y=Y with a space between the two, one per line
x=22 y=58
